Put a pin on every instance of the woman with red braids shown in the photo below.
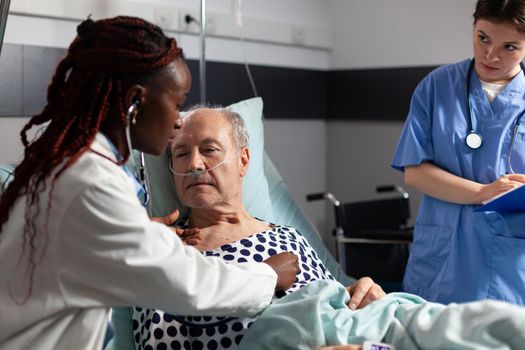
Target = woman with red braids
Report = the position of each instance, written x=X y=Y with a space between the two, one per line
x=74 y=237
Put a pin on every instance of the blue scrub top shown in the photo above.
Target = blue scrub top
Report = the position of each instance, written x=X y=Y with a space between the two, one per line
x=459 y=255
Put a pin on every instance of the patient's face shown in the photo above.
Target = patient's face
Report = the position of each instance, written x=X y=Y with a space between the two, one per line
x=205 y=141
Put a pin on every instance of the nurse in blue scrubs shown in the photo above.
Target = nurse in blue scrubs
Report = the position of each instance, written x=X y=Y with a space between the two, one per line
x=464 y=143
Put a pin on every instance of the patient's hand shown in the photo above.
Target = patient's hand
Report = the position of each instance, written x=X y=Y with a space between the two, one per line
x=286 y=265
x=190 y=236
x=363 y=292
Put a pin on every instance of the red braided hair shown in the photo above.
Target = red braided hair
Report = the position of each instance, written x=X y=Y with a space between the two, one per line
x=87 y=85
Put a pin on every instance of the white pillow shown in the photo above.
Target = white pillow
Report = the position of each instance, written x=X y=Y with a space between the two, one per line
x=255 y=192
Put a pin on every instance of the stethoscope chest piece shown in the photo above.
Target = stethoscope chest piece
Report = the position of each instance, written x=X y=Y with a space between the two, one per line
x=474 y=140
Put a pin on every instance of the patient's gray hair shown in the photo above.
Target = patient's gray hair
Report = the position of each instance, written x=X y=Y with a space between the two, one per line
x=239 y=131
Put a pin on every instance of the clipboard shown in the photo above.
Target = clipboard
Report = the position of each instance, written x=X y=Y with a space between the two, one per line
x=507 y=202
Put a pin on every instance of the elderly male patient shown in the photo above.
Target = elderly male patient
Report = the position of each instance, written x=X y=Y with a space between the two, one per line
x=209 y=159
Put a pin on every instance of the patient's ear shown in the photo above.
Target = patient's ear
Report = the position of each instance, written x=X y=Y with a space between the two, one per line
x=244 y=160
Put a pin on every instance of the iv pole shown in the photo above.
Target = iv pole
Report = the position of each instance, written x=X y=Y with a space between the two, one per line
x=202 y=61
x=4 y=10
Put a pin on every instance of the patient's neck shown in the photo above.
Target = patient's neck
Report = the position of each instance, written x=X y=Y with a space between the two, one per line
x=206 y=217
x=221 y=225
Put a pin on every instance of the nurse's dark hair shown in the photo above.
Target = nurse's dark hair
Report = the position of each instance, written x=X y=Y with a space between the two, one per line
x=502 y=11
x=87 y=90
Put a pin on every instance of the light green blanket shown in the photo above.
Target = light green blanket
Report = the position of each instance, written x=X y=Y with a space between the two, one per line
x=317 y=315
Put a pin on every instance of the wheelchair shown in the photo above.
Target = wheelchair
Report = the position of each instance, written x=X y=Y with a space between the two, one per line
x=372 y=237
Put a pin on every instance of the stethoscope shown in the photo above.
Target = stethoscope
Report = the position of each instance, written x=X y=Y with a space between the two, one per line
x=142 y=176
x=474 y=140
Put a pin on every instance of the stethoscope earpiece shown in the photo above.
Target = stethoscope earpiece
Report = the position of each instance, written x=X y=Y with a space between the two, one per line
x=130 y=119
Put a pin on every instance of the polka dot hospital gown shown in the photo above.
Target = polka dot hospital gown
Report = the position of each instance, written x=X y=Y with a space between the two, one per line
x=154 y=329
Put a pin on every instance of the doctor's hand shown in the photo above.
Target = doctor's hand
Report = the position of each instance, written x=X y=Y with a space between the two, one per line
x=363 y=292
x=286 y=265
x=190 y=236
x=503 y=184
x=169 y=219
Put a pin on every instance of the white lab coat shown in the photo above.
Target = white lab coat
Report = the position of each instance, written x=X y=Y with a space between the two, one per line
x=101 y=251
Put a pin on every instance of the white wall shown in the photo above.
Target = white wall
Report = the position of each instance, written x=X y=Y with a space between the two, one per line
x=56 y=21
x=11 y=150
x=393 y=33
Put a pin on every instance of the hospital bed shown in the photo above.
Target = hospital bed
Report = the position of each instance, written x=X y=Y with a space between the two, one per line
x=266 y=196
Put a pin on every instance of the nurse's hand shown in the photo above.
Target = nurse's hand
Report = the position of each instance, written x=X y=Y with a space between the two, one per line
x=286 y=265
x=363 y=292
x=190 y=236
x=503 y=184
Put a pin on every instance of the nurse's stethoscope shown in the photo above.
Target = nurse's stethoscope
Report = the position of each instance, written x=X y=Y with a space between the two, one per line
x=474 y=140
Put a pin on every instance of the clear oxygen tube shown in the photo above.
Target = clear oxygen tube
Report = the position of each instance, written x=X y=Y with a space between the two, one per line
x=198 y=172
